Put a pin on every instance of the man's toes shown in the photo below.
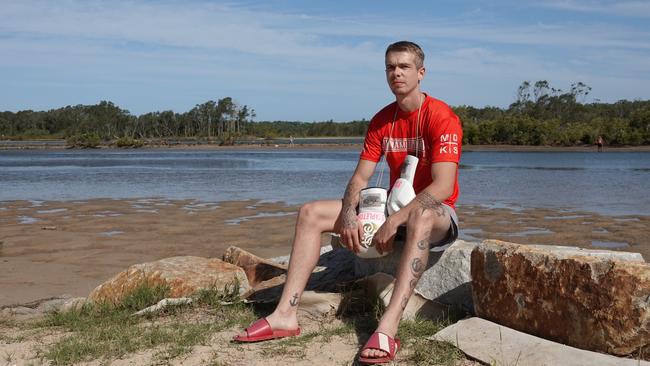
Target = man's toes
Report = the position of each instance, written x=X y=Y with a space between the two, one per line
x=375 y=353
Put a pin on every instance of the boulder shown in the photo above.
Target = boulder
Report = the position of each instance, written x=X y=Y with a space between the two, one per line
x=257 y=269
x=446 y=280
x=183 y=275
x=580 y=299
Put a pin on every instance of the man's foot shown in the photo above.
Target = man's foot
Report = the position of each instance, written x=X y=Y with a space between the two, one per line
x=379 y=342
x=271 y=327
x=377 y=353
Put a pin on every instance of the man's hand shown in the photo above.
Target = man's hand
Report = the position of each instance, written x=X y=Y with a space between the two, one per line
x=347 y=225
x=384 y=237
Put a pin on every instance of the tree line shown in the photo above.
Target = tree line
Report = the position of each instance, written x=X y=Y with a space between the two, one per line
x=540 y=115
x=544 y=115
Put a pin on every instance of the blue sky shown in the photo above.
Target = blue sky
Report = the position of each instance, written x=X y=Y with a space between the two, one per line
x=312 y=61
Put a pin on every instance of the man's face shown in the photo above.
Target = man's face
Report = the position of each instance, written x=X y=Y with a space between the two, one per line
x=402 y=73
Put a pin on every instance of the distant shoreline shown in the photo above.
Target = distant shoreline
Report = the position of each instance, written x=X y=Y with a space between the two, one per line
x=313 y=143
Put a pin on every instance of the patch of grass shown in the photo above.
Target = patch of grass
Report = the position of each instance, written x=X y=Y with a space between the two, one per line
x=142 y=297
x=9 y=339
x=213 y=296
x=109 y=331
x=418 y=328
x=13 y=331
x=8 y=322
x=427 y=352
x=185 y=338
x=414 y=333
x=107 y=342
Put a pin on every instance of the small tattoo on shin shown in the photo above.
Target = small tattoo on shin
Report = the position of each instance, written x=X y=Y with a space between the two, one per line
x=413 y=283
x=417 y=267
x=294 y=300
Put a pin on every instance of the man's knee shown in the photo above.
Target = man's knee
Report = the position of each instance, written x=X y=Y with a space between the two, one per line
x=428 y=220
x=310 y=213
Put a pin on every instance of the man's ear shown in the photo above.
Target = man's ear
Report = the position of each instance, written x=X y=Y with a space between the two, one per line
x=421 y=73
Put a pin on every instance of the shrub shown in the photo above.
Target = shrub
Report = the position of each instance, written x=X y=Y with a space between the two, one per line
x=127 y=142
x=83 y=141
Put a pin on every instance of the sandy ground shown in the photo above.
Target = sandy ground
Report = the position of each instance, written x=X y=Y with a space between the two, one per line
x=219 y=350
x=49 y=249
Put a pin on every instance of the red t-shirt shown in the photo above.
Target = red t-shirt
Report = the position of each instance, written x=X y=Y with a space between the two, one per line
x=439 y=137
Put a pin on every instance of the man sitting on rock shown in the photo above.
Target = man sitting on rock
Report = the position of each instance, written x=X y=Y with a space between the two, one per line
x=415 y=124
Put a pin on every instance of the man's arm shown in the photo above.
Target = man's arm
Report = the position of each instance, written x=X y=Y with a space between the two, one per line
x=347 y=222
x=430 y=198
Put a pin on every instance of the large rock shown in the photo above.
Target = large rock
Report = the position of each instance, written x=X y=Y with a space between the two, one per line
x=446 y=280
x=183 y=275
x=257 y=269
x=586 y=301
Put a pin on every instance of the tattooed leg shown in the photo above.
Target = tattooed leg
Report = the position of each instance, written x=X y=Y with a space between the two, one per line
x=424 y=226
x=313 y=219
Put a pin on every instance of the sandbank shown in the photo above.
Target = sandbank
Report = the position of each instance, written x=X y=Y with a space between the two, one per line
x=53 y=248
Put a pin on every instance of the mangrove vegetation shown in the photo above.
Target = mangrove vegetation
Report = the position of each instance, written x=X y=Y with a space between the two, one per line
x=540 y=115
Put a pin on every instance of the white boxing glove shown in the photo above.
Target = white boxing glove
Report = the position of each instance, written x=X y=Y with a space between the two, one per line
x=401 y=195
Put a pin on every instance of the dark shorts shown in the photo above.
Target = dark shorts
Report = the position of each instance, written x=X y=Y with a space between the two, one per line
x=450 y=238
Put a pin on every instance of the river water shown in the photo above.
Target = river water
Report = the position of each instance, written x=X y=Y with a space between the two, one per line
x=611 y=183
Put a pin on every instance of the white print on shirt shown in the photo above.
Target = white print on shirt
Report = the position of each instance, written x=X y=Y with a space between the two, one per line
x=449 y=143
x=404 y=144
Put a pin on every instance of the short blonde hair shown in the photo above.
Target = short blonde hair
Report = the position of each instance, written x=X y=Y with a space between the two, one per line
x=407 y=46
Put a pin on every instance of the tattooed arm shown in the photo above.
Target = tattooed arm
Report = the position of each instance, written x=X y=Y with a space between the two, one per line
x=443 y=175
x=347 y=224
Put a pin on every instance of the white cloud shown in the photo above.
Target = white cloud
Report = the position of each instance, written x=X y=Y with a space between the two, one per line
x=623 y=8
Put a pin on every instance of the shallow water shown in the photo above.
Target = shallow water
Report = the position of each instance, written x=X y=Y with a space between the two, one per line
x=613 y=183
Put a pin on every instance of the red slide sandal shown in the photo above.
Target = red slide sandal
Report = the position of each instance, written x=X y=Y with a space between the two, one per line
x=382 y=342
x=261 y=331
